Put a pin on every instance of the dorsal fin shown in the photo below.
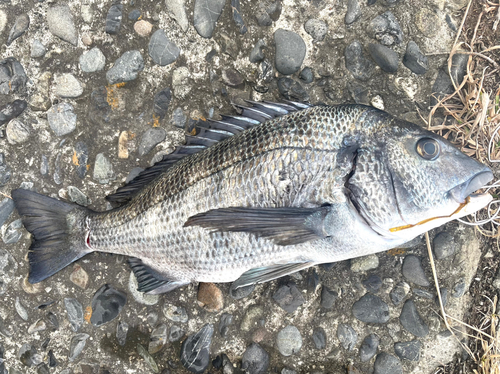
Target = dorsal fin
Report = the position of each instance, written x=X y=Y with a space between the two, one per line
x=207 y=133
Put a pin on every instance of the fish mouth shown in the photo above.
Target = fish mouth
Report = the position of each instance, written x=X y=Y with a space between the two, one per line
x=461 y=192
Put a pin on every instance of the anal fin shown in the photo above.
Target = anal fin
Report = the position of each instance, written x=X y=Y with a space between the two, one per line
x=150 y=281
x=268 y=273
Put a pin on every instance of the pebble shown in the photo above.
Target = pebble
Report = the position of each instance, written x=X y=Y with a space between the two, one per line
x=126 y=67
x=60 y=22
x=179 y=118
x=175 y=313
x=79 y=276
x=353 y=12
x=414 y=59
x=195 y=350
x=177 y=10
x=103 y=169
x=37 y=326
x=458 y=289
x=12 y=110
x=316 y=28
x=31 y=288
x=232 y=78
x=319 y=338
x=385 y=28
x=289 y=297
x=37 y=49
x=412 y=321
x=399 y=292
x=52 y=359
x=5 y=174
x=365 y=263
x=371 y=309
x=290 y=51
x=368 y=347
x=158 y=339
x=28 y=355
x=292 y=90
x=408 y=350
x=181 y=83
x=52 y=318
x=372 y=283
x=161 y=49
x=121 y=332
x=77 y=196
x=80 y=158
x=75 y=313
x=206 y=14
x=62 y=118
x=68 y=86
x=306 y=75
x=347 y=336
x=18 y=132
x=387 y=364
x=76 y=346
x=150 y=139
x=21 y=310
x=238 y=20
x=13 y=78
x=289 y=340
x=20 y=26
x=385 y=57
x=210 y=297
x=175 y=333
x=328 y=297
x=225 y=321
x=443 y=85
x=114 y=19
x=444 y=245
x=126 y=143
x=107 y=303
x=12 y=233
x=92 y=61
x=268 y=12
x=143 y=28
x=148 y=358
x=413 y=271
x=255 y=360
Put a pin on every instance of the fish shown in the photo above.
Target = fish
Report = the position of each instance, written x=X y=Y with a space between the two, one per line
x=265 y=193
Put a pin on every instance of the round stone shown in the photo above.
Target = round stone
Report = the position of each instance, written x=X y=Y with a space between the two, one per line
x=37 y=49
x=412 y=321
x=92 y=61
x=353 y=12
x=255 y=360
x=316 y=28
x=385 y=57
x=387 y=364
x=143 y=28
x=210 y=297
x=17 y=132
x=368 y=347
x=444 y=245
x=126 y=67
x=408 y=350
x=161 y=50
x=62 y=118
x=371 y=309
x=347 y=336
x=68 y=86
x=413 y=271
x=365 y=263
x=288 y=297
x=289 y=340
x=290 y=51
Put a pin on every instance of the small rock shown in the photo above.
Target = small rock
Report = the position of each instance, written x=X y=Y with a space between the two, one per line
x=413 y=271
x=408 y=350
x=181 y=84
x=162 y=50
x=210 y=297
x=385 y=28
x=125 y=141
x=92 y=61
x=62 y=118
x=158 y=339
x=289 y=340
x=371 y=309
x=306 y=75
x=179 y=118
x=399 y=292
x=356 y=62
x=387 y=364
x=412 y=321
x=103 y=169
x=143 y=28
x=177 y=10
x=18 y=132
x=249 y=320
x=114 y=19
x=368 y=347
x=444 y=245
x=319 y=338
x=232 y=78
x=372 y=283
x=268 y=12
x=316 y=28
x=37 y=49
x=20 y=26
x=150 y=139
x=195 y=350
x=175 y=334
x=79 y=276
x=175 y=313
x=238 y=20
x=13 y=78
x=52 y=359
x=126 y=68
x=415 y=60
x=13 y=233
x=52 y=318
x=68 y=86
x=148 y=358
x=77 y=196
x=121 y=332
x=353 y=12
x=12 y=110
x=5 y=174
x=135 y=14
x=292 y=90
x=328 y=297
x=225 y=320
x=206 y=14
x=386 y=58
x=75 y=313
x=80 y=158
x=21 y=310
x=288 y=297
x=60 y=21
x=290 y=51
x=443 y=85
x=107 y=303
x=459 y=288
x=255 y=360
x=347 y=336
x=365 y=263
x=76 y=346
x=37 y=326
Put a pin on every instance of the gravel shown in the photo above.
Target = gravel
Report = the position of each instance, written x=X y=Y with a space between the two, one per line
x=60 y=22
x=290 y=51
x=162 y=50
x=62 y=118
x=414 y=272
x=289 y=340
x=92 y=61
x=126 y=68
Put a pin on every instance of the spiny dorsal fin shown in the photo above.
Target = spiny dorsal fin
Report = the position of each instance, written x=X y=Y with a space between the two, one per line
x=207 y=133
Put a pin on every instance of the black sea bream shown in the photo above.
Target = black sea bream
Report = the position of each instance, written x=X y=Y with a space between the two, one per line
x=258 y=196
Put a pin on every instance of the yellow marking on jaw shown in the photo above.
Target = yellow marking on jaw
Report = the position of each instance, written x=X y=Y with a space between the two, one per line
x=399 y=228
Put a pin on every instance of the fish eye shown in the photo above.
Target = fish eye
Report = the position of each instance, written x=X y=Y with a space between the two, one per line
x=428 y=148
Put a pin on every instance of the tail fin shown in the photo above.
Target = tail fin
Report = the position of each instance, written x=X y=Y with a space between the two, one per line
x=58 y=229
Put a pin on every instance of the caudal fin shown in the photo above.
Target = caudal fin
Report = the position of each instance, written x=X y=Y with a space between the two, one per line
x=58 y=229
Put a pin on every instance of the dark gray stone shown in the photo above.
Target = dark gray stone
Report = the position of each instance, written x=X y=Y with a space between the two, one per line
x=385 y=28
x=347 y=336
x=238 y=20
x=175 y=334
x=268 y=12
x=162 y=50
x=386 y=58
x=292 y=90
x=306 y=75
x=319 y=338
x=288 y=297
x=60 y=22
x=255 y=360
x=114 y=19
x=458 y=290
x=82 y=155
x=372 y=283
x=77 y=196
x=52 y=359
x=368 y=347
x=161 y=102
x=195 y=350
x=408 y=350
x=413 y=271
x=257 y=54
x=412 y=321
x=20 y=26
x=290 y=51
x=241 y=292
x=150 y=139
x=328 y=297
x=134 y=15
x=232 y=78
x=312 y=281
x=387 y=364
x=225 y=320
x=6 y=209
x=12 y=110
x=414 y=59
x=126 y=68
x=157 y=339
x=206 y=14
x=75 y=313
x=444 y=245
x=357 y=63
x=353 y=12
x=289 y=340
x=371 y=309
x=28 y=355
x=107 y=303
x=443 y=85
x=13 y=79
x=316 y=28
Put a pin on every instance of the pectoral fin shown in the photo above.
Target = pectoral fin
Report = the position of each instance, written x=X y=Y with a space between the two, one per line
x=285 y=226
x=268 y=273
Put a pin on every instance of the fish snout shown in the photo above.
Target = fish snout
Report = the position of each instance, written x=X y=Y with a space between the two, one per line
x=462 y=191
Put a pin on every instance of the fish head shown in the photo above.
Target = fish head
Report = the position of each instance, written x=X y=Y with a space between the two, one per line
x=407 y=180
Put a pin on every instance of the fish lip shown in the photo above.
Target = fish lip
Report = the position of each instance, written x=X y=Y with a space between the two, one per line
x=466 y=189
